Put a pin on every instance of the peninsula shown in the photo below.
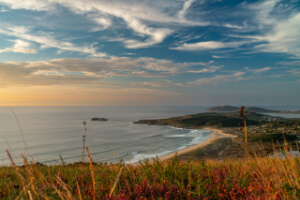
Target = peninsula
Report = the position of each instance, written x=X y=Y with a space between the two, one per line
x=213 y=119
x=228 y=108
x=228 y=139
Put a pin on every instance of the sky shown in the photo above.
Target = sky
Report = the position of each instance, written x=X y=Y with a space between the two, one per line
x=149 y=52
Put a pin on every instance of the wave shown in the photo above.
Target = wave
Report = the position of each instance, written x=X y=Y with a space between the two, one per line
x=173 y=127
x=175 y=136
x=197 y=137
x=140 y=156
x=192 y=133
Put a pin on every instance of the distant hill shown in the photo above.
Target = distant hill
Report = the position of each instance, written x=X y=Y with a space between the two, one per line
x=228 y=108
x=223 y=109
x=231 y=119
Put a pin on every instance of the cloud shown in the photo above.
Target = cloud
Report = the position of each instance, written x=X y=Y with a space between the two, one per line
x=259 y=70
x=156 y=35
x=294 y=72
x=151 y=21
x=274 y=28
x=93 y=71
x=129 y=54
x=211 y=69
x=19 y=74
x=218 y=57
x=3 y=9
x=291 y=63
x=237 y=76
x=278 y=27
x=233 y=26
x=157 y=84
x=104 y=23
x=135 y=72
x=284 y=38
x=187 y=4
x=48 y=41
x=209 y=45
x=38 y=5
x=19 y=47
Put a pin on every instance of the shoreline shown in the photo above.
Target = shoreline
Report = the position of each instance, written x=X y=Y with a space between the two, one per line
x=215 y=135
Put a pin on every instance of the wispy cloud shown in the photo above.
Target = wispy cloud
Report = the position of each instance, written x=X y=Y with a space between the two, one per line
x=187 y=4
x=155 y=84
x=38 y=5
x=155 y=35
x=3 y=9
x=91 y=71
x=274 y=28
x=290 y=63
x=20 y=46
x=294 y=72
x=218 y=57
x=154 y=72
x=278 y=26
x=149 y=20
x=215 y=80
x=209 y=45
x=47 y=41
x=210 y=69
x=258 y=70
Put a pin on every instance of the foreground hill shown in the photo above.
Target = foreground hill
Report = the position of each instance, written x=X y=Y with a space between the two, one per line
x=231 y=119
x=252 y=178
x=228 y=108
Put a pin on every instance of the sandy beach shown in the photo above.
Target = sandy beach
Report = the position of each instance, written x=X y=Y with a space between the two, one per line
x=217 y=134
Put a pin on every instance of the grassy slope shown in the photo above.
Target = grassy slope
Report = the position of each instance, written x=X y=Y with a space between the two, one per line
x=255 y=178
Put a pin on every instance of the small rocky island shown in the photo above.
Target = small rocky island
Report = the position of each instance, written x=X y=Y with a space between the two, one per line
x=99 y=119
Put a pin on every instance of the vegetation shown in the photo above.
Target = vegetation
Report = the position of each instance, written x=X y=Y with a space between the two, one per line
x=213 y=119
x=276 y=132
x=273 y=138
x=228 y=108
x=289 y=123
x=254 y=178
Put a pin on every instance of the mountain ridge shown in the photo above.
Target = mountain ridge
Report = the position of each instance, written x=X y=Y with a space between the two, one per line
x=228 y=108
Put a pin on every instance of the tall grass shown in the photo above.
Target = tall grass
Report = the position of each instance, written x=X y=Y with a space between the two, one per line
x=253 y=178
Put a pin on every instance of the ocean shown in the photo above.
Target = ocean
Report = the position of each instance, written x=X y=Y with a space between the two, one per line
x=54 y=131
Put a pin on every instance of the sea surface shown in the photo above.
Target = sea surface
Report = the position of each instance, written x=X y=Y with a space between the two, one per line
x=54 y=131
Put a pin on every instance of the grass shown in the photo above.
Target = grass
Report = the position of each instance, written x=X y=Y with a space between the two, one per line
x=252 y=178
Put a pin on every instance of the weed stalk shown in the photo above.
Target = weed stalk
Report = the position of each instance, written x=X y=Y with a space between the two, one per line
x=83 y=139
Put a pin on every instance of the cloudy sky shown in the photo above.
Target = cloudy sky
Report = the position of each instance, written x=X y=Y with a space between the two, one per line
x=149 y=52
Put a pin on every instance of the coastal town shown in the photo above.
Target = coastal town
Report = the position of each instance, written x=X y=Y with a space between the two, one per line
x=275 y=129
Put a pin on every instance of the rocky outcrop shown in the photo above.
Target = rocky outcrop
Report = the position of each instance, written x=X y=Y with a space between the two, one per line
x=99 y=119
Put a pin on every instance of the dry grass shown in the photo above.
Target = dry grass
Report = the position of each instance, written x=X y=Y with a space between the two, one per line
x=252 y=178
